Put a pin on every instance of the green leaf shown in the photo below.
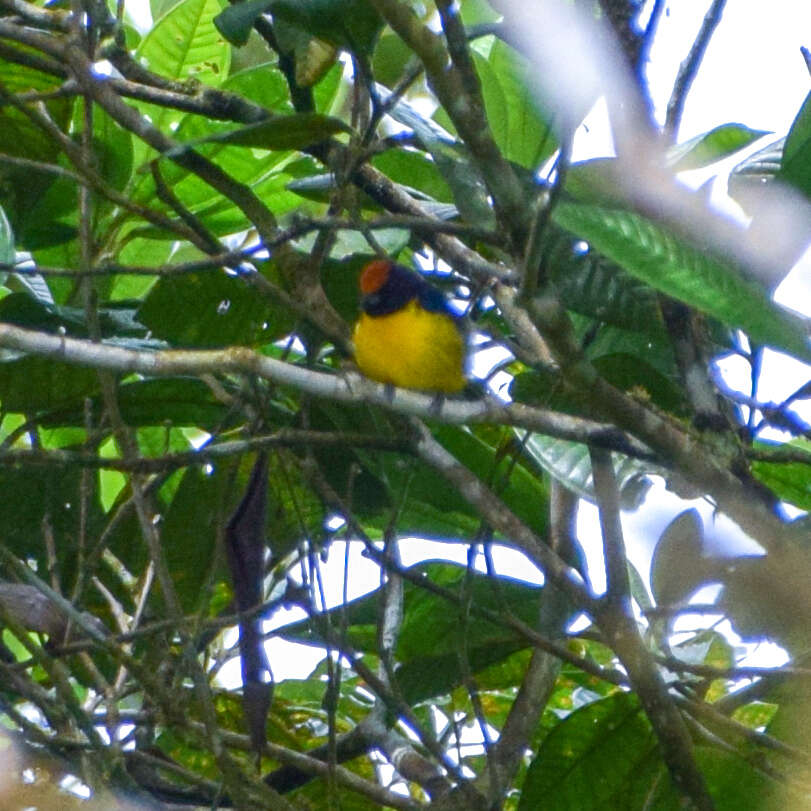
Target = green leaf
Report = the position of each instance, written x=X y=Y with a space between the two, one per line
x=198 y=510
x=570 y=464
x=589 y=759
x=489 y=453
x=183 y=45
x=789 y=481
x=712 y=146
x=795 y=167
x=592 y=285
x=31 y=384
x=210 y=309
x=390 y=59
x=279 y=133
x=521 y=132
x=686 y=273
x=179 y=401
x=414 y=169
x=732 y=783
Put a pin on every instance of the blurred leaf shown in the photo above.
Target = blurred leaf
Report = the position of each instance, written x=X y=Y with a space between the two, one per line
x=520 y=131
x=193 y=520
x=280 y=133
x=712 y=146
x=352 y=24
x=390 y=59
x=209 y=309
x=236 y=22
x=695 y=277
x=31 y=383
x=592 y=285
x=569 y=463
x=676 y=570
x=589 y=760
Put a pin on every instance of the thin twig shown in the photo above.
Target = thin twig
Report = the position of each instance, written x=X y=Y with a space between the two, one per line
x=689 y=69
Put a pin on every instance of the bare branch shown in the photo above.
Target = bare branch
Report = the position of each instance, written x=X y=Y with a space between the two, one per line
x=689 y=69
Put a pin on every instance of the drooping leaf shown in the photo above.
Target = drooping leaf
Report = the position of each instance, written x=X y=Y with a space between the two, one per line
x=245 y=547
x=676 y=570
x=686 y=273
x=236 y=22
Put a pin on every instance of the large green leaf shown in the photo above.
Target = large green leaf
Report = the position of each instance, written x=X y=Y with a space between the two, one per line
x=594 y=286
x=686 y=273
x=182 y=45
x=519 y=129
x=210 y=309
x=589 y=759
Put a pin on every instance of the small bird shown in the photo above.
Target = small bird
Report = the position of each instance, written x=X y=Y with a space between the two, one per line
x=407 y=334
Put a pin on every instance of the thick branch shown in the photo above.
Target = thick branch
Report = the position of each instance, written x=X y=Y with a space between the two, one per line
x=619 y=627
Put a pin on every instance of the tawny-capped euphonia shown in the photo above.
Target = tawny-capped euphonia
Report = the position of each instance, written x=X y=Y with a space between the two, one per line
x=408 y=334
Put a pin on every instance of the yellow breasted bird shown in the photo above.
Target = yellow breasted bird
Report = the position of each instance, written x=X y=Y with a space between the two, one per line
x=407 y=334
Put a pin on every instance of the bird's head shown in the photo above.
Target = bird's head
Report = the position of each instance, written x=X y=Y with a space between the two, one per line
x=386 y=287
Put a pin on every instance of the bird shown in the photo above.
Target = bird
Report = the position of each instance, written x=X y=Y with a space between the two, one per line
x=408 y=335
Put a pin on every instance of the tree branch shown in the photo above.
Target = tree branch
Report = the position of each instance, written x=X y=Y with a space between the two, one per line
x=689 y=69
x=617 y=623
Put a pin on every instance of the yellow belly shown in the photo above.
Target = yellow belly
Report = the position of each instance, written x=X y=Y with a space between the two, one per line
x=412 y=348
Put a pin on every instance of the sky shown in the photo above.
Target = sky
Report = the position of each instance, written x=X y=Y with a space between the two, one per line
x=753 y=73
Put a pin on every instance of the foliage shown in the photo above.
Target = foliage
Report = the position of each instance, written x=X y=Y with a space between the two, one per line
x=183 y=440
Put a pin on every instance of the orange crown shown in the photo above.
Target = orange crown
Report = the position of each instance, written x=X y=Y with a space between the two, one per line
x=374 y=276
